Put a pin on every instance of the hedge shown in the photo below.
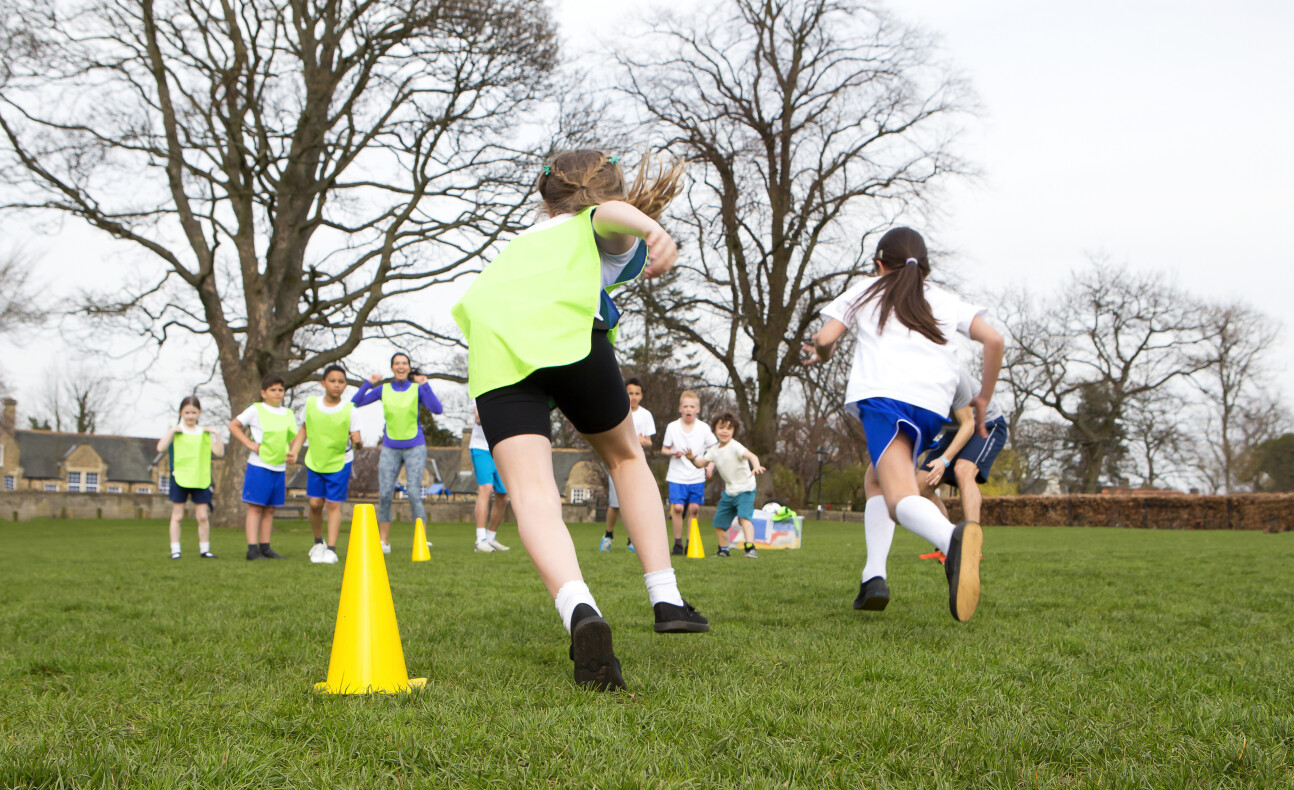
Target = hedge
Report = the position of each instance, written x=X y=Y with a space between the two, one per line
x=1266 y=512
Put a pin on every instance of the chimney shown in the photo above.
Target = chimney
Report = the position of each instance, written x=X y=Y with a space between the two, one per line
x=10 y=418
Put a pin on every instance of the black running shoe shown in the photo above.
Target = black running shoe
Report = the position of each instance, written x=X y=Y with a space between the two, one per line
x=961 y=565
x=671 y=619
x=596 y=665
x=873 y=595
x=678 y=550
x=271 y=554
x=722 y=552
x=206 y=555
x=254 y=553
x=175 y=555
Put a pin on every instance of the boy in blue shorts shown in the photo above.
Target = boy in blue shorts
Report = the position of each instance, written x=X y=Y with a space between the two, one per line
x=964 y=459
x=738 y=467
x=271 y=427
x=332 y=430
x=686 y=482
x=489 y=488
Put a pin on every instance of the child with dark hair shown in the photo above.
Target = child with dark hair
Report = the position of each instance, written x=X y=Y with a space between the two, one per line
x=738 y=467
x=271 y=426
x=332 y=429
x=902 y=383
x=540 y=325
x=645 y=427
x=191 y=448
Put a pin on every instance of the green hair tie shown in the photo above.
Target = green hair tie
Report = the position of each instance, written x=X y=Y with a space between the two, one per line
x=548 y=170
x=613 y=160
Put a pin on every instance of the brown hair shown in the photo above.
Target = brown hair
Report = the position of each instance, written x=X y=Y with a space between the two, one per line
x=271 y=380
x=901 y=289
x=575 y=180
x=727 y=417
x=191 y=400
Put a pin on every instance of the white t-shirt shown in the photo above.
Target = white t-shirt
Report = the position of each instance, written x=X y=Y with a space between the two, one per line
x=730 y=461
x=698 y=440
x=251 y=421
x=644 y=423
x=478 y=438
x=899 y=363
x=613 y=265
x=968 y=388
x=354 y=424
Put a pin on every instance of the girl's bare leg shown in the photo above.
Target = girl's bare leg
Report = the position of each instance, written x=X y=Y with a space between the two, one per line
x=177 y=516
x=526 y=465
x=203 y=514
x=639 y=496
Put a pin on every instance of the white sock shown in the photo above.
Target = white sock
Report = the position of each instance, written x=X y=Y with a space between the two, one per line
x=662 y=587
x=922 y=517
x=878 y=530
x=491 y=535
x=175 y=548
x=480 y=534
x=203 y=548
x=570 y=596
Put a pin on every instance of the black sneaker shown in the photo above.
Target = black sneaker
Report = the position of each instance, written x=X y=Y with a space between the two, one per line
x=671 y=619
x=271 y=554
x=254 y=553
x=206 y=555
x=750 y=552
x=678 y=550
x=873 y=595
x=722 y=552
x=175 y=555
x=961 y=565
x=596 y=665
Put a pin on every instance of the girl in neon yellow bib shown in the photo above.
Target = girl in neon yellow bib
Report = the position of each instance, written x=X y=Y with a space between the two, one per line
x=191 y=448
x=540 y=323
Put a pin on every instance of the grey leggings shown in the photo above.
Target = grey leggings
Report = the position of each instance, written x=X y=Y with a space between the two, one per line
x=414 y=460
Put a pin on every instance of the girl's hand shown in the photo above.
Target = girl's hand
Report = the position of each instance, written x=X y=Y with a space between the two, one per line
x=809 y=354
x=375 y=379
x=419 y=379
x=662 y=252
x=210 y=430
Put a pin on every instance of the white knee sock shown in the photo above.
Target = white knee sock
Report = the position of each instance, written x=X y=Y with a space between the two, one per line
x=878 y=530
x=922 y=517
x=662 y=587
x=570 y=596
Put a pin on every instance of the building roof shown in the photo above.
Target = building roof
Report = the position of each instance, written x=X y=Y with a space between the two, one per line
x=128 y=457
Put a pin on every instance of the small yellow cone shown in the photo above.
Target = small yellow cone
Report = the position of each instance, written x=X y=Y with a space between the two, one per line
x=366 y=652
x=694 y=548
x=420 y=552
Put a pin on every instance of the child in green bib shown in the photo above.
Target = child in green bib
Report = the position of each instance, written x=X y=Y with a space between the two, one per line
x=191 y=448
x=332 y=432
x=540 y=323
x=272 y=428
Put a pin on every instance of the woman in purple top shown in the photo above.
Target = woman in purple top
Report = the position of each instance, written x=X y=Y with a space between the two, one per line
x=402 y=442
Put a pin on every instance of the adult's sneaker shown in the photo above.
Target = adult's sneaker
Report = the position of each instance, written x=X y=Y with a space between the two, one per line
x=873 y=595
x=604 y=544
x=672 y=619
x=484 y=546
x=596 y=665
x=329 y=557
x=962 y=569
x=254 y=553
x=206 y=555
x=271 y=554
x=317 y=552
x=678 y=550
x=497 y=546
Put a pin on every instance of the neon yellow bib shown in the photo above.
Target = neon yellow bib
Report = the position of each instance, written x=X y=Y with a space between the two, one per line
x=401 y=411
x=192 y=457
x=534 y=305
x=328 y=436
x=277 y=431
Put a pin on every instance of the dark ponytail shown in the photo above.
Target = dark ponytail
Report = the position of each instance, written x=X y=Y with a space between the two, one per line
x=901 y=290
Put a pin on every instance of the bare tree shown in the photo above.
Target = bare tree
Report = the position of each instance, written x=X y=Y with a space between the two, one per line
x=76 y=400
x=809 y=123
x=19 y=306
x=1160 y=445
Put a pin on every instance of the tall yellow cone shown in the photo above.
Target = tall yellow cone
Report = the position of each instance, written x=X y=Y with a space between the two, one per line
x=366 y=652
x=420 y=552
x=694 y=548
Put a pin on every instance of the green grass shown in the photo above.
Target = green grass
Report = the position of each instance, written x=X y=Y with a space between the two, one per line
x=1098 y=658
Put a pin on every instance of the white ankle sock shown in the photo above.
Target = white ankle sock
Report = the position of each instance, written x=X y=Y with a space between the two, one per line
x=203 y=548
x=480 y=534
x=662 y=587
x=878 y=531
x=491 y=535
x=570 y=596
x=175 y=548
x=922 y=517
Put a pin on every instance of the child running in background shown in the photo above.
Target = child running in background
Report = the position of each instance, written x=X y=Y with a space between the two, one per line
x=686 y=482
x=645 y=427
x=902 y=381
x=489 y=489
x=332 y=430
x=965 y=459
x=738 y=467
x=272 y=427
x=191 y=448
x=540 y=323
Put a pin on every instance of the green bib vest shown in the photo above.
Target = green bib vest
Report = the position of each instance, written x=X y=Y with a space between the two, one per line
x=277 y=432
x=191 y=456
x=534 y=305
x=328 y=436
x=401 y=412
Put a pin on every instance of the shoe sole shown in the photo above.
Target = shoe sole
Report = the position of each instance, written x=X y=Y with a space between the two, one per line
x=682 y=627
x=964 y=587
x=872 y=603
x=596 y=665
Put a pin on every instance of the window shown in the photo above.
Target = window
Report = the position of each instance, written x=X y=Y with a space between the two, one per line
x=144 y=490
x=9 y=483
x=114 y=489
x=73 y=482
x=163 y=484
x=579 y=496
x=51 y=487
x=91 y=482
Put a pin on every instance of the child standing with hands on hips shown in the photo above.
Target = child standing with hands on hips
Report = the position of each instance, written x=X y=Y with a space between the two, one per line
x=191 y=449
x=272 y=427
x=332 y=430
x=540 y=324
x=738 y=467
x=902 y=382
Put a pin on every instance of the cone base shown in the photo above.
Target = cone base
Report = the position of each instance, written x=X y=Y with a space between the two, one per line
x=414 y=683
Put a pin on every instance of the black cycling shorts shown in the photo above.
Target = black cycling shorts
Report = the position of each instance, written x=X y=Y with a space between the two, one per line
x=591 y=393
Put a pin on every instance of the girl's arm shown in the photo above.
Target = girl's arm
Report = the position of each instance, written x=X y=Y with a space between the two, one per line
x=619 y=225
x=965 y=427
x=166 y=439
x=217 y=442
x=755 y=467
x=428 y=398
x=824 y=342
x=982 y=332
x=236 y=431
x=369 y=391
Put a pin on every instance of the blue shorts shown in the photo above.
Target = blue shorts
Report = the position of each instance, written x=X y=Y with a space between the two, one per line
x=739 y=506
x=687 y=494
x=979 y=451
x=330 y=487
x=179 y=494
x=487 y=474
x=883 y=418
x=264 y=487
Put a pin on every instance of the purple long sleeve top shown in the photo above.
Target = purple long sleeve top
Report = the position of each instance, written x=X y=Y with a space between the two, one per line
x=369 y=394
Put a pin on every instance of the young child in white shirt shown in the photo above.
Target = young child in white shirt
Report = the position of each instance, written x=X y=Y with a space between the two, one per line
x=686 y=481
x=645 y=427
x=738 y=467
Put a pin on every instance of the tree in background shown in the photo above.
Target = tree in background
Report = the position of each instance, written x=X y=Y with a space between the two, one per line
x=1273 y=464
x=76 y=401
x=19 y=306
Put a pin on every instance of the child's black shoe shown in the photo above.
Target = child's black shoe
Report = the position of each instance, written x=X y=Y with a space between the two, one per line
x=671 y=619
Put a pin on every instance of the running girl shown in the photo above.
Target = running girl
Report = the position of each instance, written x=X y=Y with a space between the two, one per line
x=191 y=448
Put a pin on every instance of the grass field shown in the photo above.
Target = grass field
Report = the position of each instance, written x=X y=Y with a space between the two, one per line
x=1098 y=658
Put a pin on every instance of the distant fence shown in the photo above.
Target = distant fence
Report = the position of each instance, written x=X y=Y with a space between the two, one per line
x=1262 y=512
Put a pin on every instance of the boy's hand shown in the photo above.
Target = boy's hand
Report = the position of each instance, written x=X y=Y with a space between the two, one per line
x=936 y=467
x=662 y=252
x=678 y=453
x=809 y=354
x=375 y=379
x=292 y=457
x=757 y=469
x=690 y=455
x=256 y=448
x=709 y=471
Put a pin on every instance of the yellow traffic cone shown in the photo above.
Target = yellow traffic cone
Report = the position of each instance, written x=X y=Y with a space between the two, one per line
x=694 y=548
x=420 y=552
x=366 y=652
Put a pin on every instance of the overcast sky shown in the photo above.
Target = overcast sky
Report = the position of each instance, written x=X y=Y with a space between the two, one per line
x=1156 y=133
